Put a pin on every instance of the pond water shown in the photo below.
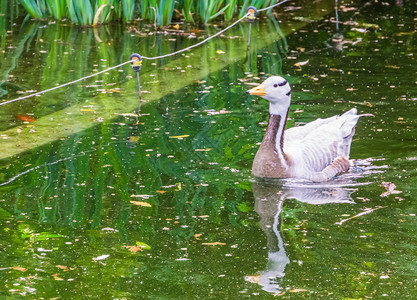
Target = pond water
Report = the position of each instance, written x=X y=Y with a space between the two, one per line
x=105 y=197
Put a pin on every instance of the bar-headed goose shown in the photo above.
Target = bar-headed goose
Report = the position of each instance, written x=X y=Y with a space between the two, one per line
x=317 y=151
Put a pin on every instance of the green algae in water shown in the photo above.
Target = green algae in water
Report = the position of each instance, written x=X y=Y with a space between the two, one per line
x=211 y=231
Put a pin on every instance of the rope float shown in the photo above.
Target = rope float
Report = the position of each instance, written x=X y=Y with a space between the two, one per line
x=251 y=16
x=136 y=62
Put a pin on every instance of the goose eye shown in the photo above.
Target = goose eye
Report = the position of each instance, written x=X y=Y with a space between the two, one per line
x=275 y=85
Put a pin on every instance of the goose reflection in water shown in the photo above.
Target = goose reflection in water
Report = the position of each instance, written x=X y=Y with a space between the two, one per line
x=269 y=199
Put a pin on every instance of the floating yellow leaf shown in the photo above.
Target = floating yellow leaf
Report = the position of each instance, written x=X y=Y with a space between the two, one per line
x=86 y=109
x=203 y=150
x=214 y=244
x=62 y=267
x=127 y=115
x=392 y=67
x=177 y=26
x=21 y=269
x=161 y=192
x=133 y=139
x=114 y=91
x=141 y=203
x=297 y=290
x=220 y=52
x=179 y=136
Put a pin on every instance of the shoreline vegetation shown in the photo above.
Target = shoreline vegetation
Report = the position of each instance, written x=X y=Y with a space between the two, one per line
x=157 y=12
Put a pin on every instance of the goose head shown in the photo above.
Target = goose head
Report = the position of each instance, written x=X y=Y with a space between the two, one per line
x=277 y=91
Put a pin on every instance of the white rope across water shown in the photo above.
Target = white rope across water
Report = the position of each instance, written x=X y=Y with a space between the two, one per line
x=198 y=44
x=272 y=6
x=143 y=57
x=65 y=84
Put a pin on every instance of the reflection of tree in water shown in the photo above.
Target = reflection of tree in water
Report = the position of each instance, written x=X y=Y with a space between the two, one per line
x=269 y=200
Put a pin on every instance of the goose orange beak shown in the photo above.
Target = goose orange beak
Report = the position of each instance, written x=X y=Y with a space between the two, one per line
x=258 y=91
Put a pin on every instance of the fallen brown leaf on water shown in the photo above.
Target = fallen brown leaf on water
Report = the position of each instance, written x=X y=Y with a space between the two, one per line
x=56 y=277
x=133 y=249
x=114 y=91
x=214 y=244
x=161 y=192
x=62 y=267
x=347 y=9
x=141 y=203
x=21 y=269
x=196 y=30
x=25 y=118
x=366 y=103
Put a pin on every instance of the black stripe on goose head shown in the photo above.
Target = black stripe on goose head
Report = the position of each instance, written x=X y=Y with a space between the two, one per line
x=282 y=83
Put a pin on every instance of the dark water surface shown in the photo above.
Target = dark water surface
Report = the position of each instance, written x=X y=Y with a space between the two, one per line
x=96 y=202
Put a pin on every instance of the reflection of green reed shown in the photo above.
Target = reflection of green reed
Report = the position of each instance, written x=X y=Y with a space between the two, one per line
x=102 y=168
x=84 y=181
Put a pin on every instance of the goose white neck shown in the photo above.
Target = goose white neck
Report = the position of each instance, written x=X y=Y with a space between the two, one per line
x=279 y=107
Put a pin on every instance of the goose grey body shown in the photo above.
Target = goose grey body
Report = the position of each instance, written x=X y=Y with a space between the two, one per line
x=317 y=151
